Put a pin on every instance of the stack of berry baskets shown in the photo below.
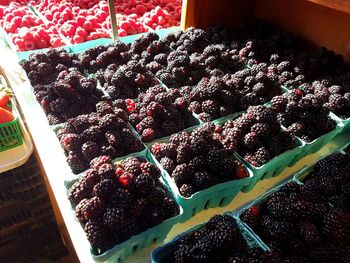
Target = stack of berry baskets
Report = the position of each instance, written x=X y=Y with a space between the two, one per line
x=123 y=206
x=306 y=217
x=237 y=243
x=249 y=135
x=199 y=171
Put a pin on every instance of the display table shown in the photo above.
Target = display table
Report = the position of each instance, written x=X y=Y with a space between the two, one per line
x=56 y=171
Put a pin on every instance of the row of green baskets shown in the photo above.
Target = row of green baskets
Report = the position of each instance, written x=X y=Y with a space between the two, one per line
x=162 y=254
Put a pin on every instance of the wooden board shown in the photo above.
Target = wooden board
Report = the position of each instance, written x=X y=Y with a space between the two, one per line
x=321 y=25
x=316 y=20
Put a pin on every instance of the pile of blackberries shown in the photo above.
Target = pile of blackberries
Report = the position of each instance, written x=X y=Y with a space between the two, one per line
x=257 y=136
x=102 y=133
x=159 y=113
x=70 y=95
x=126 y=81
x=180 y=70
x=115 y=202
x=43 y=68
x=304 y=116
x=99 y=57
x=219 y=240
x=197 y=160
x=308 y=222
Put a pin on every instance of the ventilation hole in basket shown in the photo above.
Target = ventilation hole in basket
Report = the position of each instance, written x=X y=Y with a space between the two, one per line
x=265 y=174
x=154 y=240
x=194 y=211
x=134 y=248
x=207 y=204
x=276 y=172
x=222 y=201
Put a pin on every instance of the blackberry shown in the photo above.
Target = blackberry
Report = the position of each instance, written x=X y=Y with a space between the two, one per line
x=79 y=190
x=106 y=171
x=260 y=129
x=181 y=137
x=186 y=190
x=97 y=235
x=103 y=108
x=121 y=198
x=138 y=207
x=168 y=164
x=297 y=128
x=309 y=233
x=151 y=169
x=276 y=230
x=109 y=150
x=114 y=219
x=336 y=225
x=76 y=162
x=184 y=153
x=198 y=163
x=148 y=135
x=112 y=138
x=110 y=122
x=93 y=133
x=90 y=150
x=278 y=103
x=144 y=184
x=132 y=165
x=98 y=161
x=210 y=107
x=169 y=208
x=262 y=156
x=251 y=140
x=203 y=180
x=181 y=174
x=251 y=217
x=71 y=142
x=104 y=189
x=91 y=208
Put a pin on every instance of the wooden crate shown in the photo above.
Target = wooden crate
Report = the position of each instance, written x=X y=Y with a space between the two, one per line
x=323 y=22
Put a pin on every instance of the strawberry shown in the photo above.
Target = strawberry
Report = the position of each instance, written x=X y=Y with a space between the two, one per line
x=4 y=98
x=5 y=116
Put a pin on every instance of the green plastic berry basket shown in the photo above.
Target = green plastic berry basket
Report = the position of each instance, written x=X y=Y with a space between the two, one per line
x=137 y=242
x=257 y=202
x=81 y=47
x=303 y=173
x=10 y=135
x=317 y=144
x=218 y=195
x=274 y=167
x=163 y=253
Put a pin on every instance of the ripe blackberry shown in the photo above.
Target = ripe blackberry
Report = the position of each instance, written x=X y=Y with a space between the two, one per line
x=93 y=133
x=79 y=190
x=132 y=165
x=76 y=162
x=103 y=108
x=181 y=174
x=104 y=189
x=144 y=184
x=260 y=129
x=251 y=217
x=251 y=140
x=90 y=150
x=169 y=208
x=110 y=122
x=203 y=180
x=114 y=219
x=122 y=198
x=168 y=164
x=278 y=103
x=276 y=230
x=210 y=107
x=97 y=235
x=91 y=208
x=262 y=156
x=336 y=225
x=98 y=161
x=184 y=153
x=106 y=171
x=186 y=190
x=309 y=233
x=71 y=142
x=151 y=169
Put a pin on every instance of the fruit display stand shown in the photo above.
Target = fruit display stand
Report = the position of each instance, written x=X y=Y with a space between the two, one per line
x=195 y=13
